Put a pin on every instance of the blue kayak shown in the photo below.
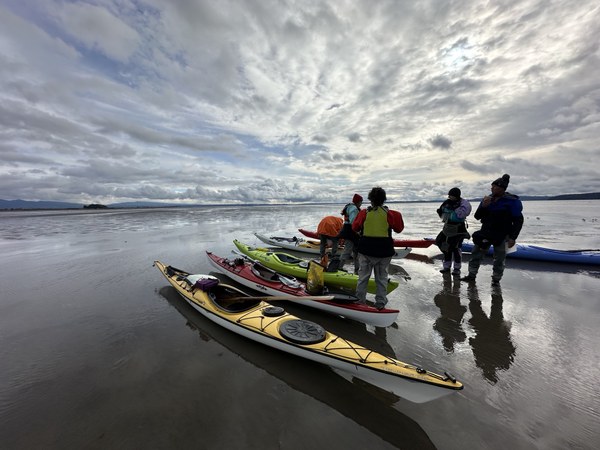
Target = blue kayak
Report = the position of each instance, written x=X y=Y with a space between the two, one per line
x=534 y=252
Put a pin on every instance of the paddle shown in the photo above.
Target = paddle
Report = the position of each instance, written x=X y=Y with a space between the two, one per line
x=269 y=298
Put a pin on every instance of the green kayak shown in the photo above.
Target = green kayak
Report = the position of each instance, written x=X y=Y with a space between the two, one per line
x=290 y=265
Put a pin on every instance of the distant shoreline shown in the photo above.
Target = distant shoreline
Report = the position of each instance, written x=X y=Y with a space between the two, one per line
x=25 y=205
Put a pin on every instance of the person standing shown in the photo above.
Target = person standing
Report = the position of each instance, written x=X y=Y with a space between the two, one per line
x=501 y=216
x=376 y=246
x=453 y=213
x=350 y=211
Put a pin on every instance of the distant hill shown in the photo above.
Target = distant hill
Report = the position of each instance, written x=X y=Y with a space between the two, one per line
x=590 y=196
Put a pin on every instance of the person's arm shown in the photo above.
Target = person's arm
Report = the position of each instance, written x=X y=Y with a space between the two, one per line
x=517 y=222
x=359 y=221
x=482 y=210
x=440 y=210
x=463 y=210
x=395 y=221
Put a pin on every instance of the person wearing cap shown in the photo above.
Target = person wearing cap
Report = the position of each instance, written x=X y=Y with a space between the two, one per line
x=376 y=246
x=350 y=211
x=453 y=213
x=501 y=216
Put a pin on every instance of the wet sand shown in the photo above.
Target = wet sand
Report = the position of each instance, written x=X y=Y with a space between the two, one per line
x=99 y=352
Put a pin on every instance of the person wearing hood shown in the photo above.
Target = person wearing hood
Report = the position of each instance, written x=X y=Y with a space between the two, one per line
x=350 y=211
x=501 y=216
x=453 y=213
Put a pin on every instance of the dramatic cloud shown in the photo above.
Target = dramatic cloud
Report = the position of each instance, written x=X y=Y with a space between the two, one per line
x=282 y=101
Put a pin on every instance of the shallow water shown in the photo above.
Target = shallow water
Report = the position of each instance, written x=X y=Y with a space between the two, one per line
x=98 y=352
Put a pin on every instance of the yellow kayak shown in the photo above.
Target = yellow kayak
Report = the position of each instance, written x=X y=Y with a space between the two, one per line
x=262 y=322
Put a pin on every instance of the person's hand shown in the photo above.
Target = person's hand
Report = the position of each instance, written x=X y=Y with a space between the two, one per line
x=486 y=201
x=510 y=243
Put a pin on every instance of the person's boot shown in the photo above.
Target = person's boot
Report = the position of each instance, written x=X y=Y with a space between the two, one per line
x=446 y=267
x=470 y=277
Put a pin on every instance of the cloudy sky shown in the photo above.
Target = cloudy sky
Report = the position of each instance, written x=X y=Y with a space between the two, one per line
x=268 y=101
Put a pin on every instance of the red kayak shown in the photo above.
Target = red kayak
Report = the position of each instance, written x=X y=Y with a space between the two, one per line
x=255 y=276
x=415 y=243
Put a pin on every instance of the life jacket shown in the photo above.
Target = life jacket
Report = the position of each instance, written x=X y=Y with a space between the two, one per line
x=376 y=224
x=376 y=239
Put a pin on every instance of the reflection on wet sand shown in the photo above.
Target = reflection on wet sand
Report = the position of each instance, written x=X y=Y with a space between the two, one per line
x=539 y=266
x=398 y=271
x=449 y=324
x=371 y=412
x=492 y=345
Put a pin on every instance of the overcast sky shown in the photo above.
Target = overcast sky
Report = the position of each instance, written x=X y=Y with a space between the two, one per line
x=265 y=101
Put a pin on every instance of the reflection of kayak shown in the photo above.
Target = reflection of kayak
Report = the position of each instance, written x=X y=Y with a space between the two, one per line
x=534 y=252
x=315 y=380
x=290 y=265
x=416 y=243
x=256 y=276
x=272 y=326
x=312 y=247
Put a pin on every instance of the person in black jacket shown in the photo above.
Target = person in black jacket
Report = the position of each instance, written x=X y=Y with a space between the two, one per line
x=501 y=216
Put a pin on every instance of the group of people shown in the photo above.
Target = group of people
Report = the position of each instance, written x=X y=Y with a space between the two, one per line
x=501 y=216
x=367 y=235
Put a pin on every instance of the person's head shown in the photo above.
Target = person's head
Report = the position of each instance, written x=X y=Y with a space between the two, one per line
x=454 y=193
x=357 y=199
x=499 y=185
x=377 y=196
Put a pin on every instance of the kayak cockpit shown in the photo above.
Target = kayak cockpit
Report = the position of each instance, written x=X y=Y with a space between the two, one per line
x=231 y=300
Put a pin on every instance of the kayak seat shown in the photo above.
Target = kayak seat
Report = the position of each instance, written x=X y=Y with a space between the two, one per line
x=289 y=258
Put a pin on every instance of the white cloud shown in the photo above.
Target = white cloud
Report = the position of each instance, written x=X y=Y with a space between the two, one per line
x=271 y=101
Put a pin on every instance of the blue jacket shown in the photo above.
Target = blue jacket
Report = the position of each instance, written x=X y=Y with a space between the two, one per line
x=501 y=218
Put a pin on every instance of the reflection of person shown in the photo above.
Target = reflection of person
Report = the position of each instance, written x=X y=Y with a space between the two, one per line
x=350 y=212
x=453 y=213
x=328 y=230
x=449 y=324
x=492 y=346
x=501 y=216
x=376 y=246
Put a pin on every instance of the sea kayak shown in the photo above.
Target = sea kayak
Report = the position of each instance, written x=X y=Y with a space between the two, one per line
x=255 y=275
x=537 y=253
x=415 y=243
x=290 y=265
x=271 y=325
x=313 y=247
